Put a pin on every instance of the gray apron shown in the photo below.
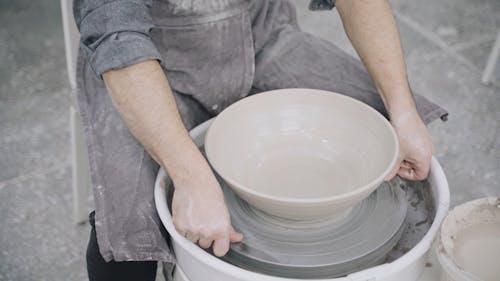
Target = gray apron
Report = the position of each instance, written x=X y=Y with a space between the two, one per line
x=214 y=53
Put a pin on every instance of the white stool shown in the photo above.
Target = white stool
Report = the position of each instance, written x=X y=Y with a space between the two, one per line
x=492 y=61
x=79 y=154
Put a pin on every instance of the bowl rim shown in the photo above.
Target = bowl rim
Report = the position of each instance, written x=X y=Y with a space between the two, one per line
x=330 y=199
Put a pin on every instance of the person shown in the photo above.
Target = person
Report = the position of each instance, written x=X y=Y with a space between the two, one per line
x=150 y=70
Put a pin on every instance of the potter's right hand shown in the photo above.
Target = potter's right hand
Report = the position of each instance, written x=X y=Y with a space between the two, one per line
x=200 y=213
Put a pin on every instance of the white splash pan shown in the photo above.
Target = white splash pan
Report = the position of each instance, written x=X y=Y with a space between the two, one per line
x=198 y=265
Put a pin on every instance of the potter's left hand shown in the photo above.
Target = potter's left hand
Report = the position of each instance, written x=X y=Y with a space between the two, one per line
x=415 y=146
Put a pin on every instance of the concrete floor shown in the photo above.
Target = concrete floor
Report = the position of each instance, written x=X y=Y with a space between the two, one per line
x=446 y=44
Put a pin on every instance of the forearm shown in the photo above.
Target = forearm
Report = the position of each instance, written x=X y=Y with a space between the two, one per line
x=371 y=27
x=143 y=97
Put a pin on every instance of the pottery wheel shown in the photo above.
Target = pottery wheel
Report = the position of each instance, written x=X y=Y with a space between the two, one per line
x=382 y=228
x=318 y=249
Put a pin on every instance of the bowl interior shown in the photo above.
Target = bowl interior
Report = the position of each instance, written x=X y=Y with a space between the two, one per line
x=301 y=144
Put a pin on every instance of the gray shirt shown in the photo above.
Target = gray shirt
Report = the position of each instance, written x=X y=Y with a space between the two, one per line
x=115 y=34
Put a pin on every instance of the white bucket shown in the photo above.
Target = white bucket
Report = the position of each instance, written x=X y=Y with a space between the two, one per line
x=468 y=247
x=198 y=265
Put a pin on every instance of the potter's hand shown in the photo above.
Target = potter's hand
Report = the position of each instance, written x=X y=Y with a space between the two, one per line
x=200 y=213
x=415 y=146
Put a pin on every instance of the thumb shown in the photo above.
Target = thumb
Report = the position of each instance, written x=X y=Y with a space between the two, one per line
x=396 y=168
x=235 y=237
x=393 y=172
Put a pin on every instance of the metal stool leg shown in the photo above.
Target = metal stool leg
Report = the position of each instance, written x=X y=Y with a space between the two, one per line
x=81 y=179
x=492 y=60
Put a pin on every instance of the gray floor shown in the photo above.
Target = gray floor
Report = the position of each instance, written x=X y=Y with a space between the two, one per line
x=446 y=45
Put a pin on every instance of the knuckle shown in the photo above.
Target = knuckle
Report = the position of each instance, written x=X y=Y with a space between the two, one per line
x=221 y=232
x=205 y=233
x=196 y=230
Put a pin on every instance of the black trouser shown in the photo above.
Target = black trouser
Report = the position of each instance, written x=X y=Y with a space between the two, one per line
x=100 y=270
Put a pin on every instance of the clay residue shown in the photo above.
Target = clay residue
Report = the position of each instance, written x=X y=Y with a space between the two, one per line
x=419 y=217
x=470 y=237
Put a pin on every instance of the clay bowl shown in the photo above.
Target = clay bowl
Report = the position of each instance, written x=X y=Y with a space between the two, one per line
x=301 y=154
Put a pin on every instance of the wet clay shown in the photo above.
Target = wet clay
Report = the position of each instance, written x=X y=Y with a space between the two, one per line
x=477 y=250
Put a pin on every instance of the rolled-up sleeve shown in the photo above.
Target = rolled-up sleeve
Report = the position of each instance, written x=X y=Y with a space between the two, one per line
x=318 y=5
x=115 y=34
